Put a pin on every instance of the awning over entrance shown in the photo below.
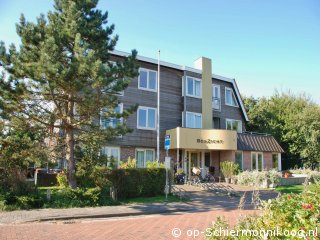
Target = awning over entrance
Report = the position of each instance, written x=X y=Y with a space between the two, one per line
x=193 y=138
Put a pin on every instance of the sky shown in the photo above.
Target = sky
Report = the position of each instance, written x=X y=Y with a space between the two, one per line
x=265 y=45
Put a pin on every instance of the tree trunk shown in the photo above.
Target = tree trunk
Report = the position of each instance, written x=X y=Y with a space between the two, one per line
x=70 y=158
x=69 y=138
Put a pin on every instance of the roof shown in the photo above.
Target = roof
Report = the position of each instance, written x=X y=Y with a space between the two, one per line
x=185 y=68
x=255 y=142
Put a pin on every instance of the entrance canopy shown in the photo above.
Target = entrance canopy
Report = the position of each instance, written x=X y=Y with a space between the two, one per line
x=193 y=138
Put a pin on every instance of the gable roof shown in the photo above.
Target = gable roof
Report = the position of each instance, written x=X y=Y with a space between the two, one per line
x=260 y=143
x=185 y=68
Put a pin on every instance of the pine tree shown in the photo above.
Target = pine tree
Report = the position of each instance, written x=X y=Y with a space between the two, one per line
x=62 y=75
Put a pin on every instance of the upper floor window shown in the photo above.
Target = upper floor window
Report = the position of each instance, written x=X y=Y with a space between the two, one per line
x=194 y=120
x=232 y=124
x=146 y=118
x=216 y=101
x=147 y=80
x=230 y=98
x=111 y=122
x=193 y=87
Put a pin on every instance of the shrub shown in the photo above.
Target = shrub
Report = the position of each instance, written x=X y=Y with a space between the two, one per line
x=291 y=212
x=229 y=169
x=79 y=197
x=138 y=182
x=62 y=180
x=130 y=163
x=252 y=178
x=155 y=164
x=274 y=176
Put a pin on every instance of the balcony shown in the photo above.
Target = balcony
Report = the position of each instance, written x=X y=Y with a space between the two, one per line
x=216 y=104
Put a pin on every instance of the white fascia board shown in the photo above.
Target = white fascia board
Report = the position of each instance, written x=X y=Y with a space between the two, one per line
x=190 y=69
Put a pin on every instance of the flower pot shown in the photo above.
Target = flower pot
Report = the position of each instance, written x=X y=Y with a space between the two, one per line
x=233 y=181
x=227 y=180
x=273 y=185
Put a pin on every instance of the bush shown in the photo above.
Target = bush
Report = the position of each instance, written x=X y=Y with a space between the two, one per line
x=130 y=163
x=62 y=180
x=257 y=178
x=291 y=212
x=155 y=164
x=138 y=182
x=79 y=197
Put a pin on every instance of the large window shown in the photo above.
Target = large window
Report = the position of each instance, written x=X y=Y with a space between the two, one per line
x=146 y=118
x=194 y=120
x=113 y=155
x=143 y=156
x=112 y=121
x=239 y=159
x=275 y=160
x=232 y=124
x=147 y=80
x=257 y=161
x=230 y=98
x=193 y=87
x=216 y=102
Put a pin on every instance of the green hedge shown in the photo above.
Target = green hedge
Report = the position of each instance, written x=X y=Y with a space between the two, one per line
x=138 y=182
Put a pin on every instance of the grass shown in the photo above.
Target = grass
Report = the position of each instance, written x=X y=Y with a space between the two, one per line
x=296 y=188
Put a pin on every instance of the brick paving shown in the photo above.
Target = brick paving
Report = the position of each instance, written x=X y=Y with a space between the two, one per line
x=156 y=227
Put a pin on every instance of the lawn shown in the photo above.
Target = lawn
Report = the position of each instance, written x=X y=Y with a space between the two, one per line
x=295 y=188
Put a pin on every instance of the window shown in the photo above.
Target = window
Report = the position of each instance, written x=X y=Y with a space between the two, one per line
x=275 y=160
x=193 y=87
x=230 y=98
x=194 y=120
x=239 y=159
x=147 y=80
x=113 y=155
x=143 y=156
x=232 y=124
x=111 y=122
x=216 y=102
x=146 y=118
x=256 y=161
x=216 y=123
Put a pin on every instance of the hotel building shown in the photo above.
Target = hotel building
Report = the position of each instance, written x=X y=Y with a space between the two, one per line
x=202 y=112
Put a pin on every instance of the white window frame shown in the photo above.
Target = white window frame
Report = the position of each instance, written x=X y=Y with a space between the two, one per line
x=108 y=150
x=234 y=120
x=194 y=114
x=257 y=162
x=144 y=156
x=241 y=167
x=147 y=88
x=193 y=83
x=225 y=97
x=121 y=119
x=218 y=86
x=155 y=117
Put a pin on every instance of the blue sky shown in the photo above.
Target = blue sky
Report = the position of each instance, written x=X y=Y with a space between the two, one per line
x=264 y=45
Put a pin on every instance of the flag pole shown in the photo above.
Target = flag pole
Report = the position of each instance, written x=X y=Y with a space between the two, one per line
x=158 y=110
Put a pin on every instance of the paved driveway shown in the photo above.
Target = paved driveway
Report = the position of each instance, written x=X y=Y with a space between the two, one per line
x=189 y=225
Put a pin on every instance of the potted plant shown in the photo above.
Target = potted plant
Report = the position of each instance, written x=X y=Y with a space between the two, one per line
x=228 y=169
